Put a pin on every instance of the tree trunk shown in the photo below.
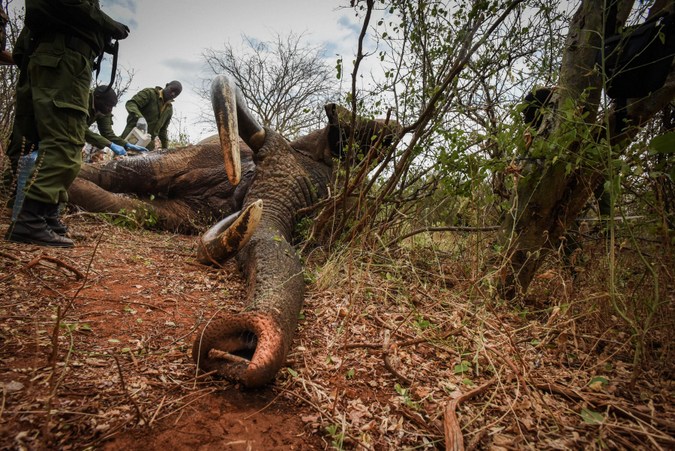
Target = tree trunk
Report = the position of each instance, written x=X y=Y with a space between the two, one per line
x=550 y=195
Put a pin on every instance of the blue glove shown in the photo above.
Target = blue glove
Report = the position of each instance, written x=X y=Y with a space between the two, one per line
x=130 y=146
x=117 y=149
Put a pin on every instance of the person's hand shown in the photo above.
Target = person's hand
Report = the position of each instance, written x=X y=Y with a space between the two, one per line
x=130 y=146
x=117 y=149
x=142 y=124
x=120 y=31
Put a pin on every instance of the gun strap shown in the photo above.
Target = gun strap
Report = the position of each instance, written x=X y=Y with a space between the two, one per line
x=115 y=50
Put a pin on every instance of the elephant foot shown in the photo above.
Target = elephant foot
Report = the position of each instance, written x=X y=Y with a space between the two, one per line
x=228 y=236
x=247 y=348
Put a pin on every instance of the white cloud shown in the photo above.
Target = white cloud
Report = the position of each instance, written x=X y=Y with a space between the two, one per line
x=168 y=37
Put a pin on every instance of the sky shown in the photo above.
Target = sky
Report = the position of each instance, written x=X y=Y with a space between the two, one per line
x=168 y=37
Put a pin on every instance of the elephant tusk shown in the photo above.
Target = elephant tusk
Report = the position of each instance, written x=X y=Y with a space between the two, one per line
x=223 y=99
x=228 y=236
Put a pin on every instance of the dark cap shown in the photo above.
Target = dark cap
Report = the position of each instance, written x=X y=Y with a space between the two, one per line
x=105 y=99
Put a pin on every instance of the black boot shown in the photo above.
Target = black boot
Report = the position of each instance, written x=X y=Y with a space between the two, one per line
x=30 y=227
x=54 y=222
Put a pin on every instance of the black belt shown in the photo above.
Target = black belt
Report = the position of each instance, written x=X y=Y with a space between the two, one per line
x=72 y=42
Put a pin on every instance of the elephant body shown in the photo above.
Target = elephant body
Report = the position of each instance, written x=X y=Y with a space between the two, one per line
x=185 y=188
x=268 y=181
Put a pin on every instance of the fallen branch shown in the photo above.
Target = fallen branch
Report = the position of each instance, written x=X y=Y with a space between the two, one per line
x=387 y=364
x=614 y=404
x=386 y=350
x=453 y=433
x=38 y=260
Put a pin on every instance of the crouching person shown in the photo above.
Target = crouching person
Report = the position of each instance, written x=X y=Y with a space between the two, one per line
x=102 y=100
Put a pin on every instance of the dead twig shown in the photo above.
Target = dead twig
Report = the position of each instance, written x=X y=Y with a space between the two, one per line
x=85 y=277
x=387 y=364
x=207 y=391
x=139 y=413
x=40 y=258
x=612 y=403
x=218 y=354
x=453 y=433
x=403 y=344
x=161 y=404
x=386 y=350
x=516 y=371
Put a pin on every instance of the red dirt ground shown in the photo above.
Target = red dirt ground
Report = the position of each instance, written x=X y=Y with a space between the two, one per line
x=390 y=351
x=123 y=377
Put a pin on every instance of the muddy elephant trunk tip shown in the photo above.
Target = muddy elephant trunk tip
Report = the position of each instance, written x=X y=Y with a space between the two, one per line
x=248 y=348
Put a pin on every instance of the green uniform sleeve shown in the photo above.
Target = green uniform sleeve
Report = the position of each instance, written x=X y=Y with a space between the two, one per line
x=95 y=139
x=104 y=124
x=164 y=131
x=138 y=102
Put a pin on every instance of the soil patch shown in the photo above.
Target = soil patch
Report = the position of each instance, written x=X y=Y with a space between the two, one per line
x=391 y=352
x=96 y=342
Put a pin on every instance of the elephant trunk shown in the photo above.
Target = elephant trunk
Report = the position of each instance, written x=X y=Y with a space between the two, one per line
x=260 y=336
x=251 y=346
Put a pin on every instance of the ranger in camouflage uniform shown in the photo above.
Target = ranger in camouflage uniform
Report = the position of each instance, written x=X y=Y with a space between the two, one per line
x=56 y=53
x=152 y=106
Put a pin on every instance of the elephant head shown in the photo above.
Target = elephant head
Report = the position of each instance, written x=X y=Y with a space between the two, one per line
x=260 y=190
x=251 y=346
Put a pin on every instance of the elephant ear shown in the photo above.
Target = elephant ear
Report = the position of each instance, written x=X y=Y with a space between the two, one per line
x=367 y=132
x=337 y=138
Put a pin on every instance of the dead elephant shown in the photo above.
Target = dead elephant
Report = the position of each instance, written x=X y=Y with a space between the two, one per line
x=267 y=181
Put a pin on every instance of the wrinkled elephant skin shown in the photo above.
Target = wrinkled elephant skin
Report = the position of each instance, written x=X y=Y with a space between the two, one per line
x=277 y=179
x=186 y=189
